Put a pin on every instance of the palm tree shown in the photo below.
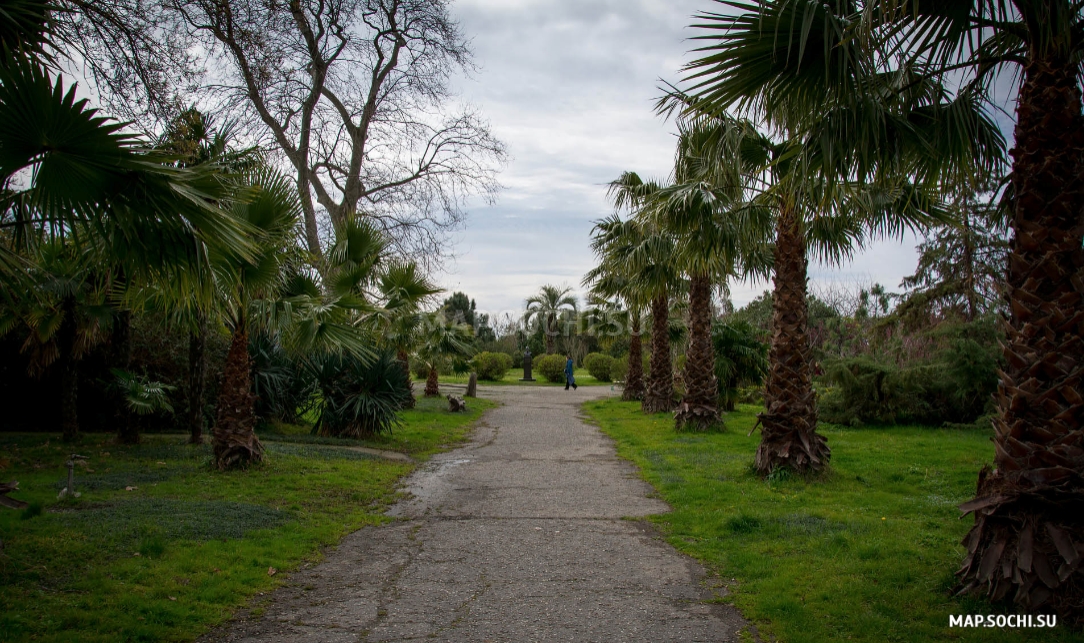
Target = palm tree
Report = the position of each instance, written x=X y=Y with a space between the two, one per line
x=441 y=340
x=831 y=181
x=546 y=307
x=713 y=241
x=192 y=140
x=56 y=313
x=91 y=184
x=403 y=290
x=647 y=252
x=274 y=210
x=1024 y=508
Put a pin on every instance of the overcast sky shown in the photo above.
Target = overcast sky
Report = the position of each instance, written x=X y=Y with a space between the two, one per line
x=568 y=85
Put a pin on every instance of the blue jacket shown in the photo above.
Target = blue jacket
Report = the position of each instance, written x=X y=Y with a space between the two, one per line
x=568 y=368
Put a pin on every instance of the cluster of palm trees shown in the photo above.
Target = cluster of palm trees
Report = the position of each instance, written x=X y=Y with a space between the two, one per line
x=98 y=225
x=809 y=127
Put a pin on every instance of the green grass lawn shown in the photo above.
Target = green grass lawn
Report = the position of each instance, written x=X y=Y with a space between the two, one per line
x=512 y=378
x=187 y=545
x=867 y=554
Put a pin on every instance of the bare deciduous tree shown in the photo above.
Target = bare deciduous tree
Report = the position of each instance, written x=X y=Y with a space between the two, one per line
x=354 y=93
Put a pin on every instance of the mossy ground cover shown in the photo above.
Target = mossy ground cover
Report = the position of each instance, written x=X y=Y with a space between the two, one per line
x=187 y=545
x=865 y=554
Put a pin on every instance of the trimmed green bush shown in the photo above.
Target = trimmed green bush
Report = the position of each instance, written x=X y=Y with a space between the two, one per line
x=619 y=369
x=552 y=367
x=492 y=366
x=599 y=366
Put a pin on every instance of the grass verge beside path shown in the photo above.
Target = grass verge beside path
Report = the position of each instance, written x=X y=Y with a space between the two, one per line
x=186 y=546
x=867 y=554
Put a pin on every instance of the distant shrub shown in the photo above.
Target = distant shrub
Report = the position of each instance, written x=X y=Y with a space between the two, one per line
x=552 y=367
x=492 y=366
x=619 y=369
x=599 y=366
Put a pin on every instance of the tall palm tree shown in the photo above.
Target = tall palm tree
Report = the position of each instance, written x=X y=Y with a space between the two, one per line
x=551 y=303
x=274 y=211
x=647 y=252
x=192 y=139
x=1026 y=509
x=280 y=295
x=834 y=179
x=713 y=241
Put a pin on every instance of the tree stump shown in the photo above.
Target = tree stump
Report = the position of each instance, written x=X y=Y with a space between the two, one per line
x=456 y=404
x=472 y=385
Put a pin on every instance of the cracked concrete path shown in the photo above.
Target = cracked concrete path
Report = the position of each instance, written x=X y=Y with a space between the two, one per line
x=517 y=536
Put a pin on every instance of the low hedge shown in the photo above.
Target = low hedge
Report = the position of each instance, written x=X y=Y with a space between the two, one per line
x=552 y=367
x=600 y=366
x=492 y=366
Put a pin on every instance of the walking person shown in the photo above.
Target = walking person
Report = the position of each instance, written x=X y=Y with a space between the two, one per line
x=570 y=379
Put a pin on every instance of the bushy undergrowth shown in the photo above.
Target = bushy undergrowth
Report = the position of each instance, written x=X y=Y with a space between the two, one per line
x=949 y=375
x=492 y=366
x=360 y=398
x=600 y=366
x=285 y=391
x=552 y=367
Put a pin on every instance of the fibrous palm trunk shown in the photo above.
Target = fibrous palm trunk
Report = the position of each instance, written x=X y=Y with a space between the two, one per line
x=69 y=373
x=549 y=331
x=1027 y=543
x=404 y=360
x=121 y=343
x=634 y=379
x=235 y=441
x=197 y=379
x=789 y=437
x=659 y=396
x=432 y=383
x=699 y=408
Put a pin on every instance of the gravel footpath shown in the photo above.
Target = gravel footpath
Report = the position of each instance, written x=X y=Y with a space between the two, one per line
x=521 y=535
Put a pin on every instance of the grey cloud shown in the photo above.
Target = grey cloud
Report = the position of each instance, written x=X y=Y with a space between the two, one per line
x=569 y=86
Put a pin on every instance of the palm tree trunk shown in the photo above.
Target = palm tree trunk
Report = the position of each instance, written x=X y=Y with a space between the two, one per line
x=634 y=379
x=789 y=435
x=197 y=379
x=235 y=441
x=121 y=344
x=1028 y=534
x=659 y=396
x=69 y=373
x=699 y=408
x=432 y=383
x=404 y=360
x=549 y=333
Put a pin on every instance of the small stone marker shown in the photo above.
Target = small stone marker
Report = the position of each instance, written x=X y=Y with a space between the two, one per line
x=456 y=404
x=472 y=385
